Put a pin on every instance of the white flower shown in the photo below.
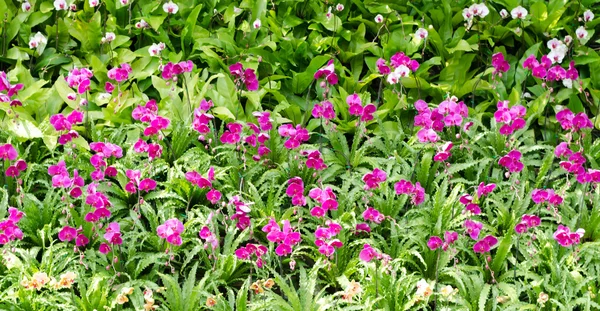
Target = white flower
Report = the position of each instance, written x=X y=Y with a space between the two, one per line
x=339 y=7
x=26 y=6
x=421 y=33
x=94 y=3
x=328 y=15
x=257 y=23
x=73 y=7
x=38 y=41
x=554 y=44
x=402 y=71
x=104 y=96
x=557 y=56
x=237 y=10
x=588 y=16
x=447 y=291
x=154 y=49
x=60 y=5
x=568 y=83
x=467 y=13
x=124 y=2
x=581 y=33
x=170 y=7
x=568 y=40
x=108 y=37
x=423 y=289
x=393 y=77
x=142 y=24
x=379 y=19
x=503 y=13
x=519 y=12
x=479 y=10
x=71 y=96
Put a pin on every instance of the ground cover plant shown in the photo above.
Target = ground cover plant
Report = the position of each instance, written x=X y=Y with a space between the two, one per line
x=299 y=155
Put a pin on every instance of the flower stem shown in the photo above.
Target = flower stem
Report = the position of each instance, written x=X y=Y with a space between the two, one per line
x=437 y=262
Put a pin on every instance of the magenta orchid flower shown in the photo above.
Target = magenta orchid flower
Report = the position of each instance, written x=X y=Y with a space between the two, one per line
x=510 y=118
x=285 y=237
x=500 y=64
x=485 y=244
x=566 y=238
x=374 y=178
x=252 y=250
x=416 y=192
x=512 y=161
x=473 y=228
x=246 y=76
x=323 y=110
x=171 y=231
x=241 y=213
x=296 y=135
x=327 y=72
x=314 y=159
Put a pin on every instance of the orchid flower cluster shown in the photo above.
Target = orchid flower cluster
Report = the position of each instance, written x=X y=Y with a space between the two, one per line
x=323 y=110
x=104 y=151
x=119 y=73
x=170 y=71
x=202 y=118
x=500 y=64
x=324 y=238
x=565 y=237
x=149 y=114
x=374 y=178
x=475 y=10
x=11 y=91
x=62 y=179
x=510 y=118
x=544 y=69
x=171 y=231
x=368 y=253
x=373 y=215
x=327 y=200
x=468 y=201
x=314 y=159
x=64 y=125
x=540 y=196
x=327 y=72
x=436 y=242
x=284 y=236
x=209 y=238
x=67 y=234
x=9 y=229
x=246 y=76
x=401 y=64
x=527 y=222
x=295 y=190
x=355 y=108
x=295 y=135
x=252 y=250
x=99 y=201
x=213 y=195
x=79 y=79
x=259 y=134
x=135 y=183
x=512 y=161
x=449 y=112
x=573 y=122
x=415 y=191
x=484 y=245
x=9 y=153
x=242 y=210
